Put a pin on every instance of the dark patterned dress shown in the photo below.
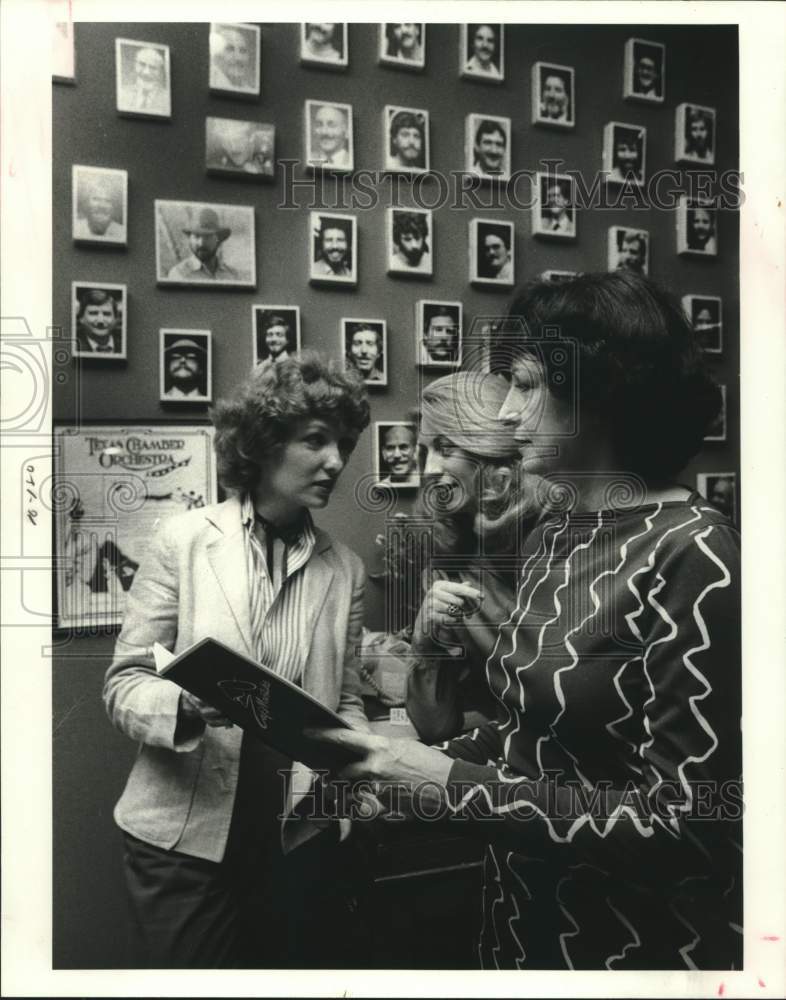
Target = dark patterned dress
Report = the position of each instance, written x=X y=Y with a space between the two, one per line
x=608 y=790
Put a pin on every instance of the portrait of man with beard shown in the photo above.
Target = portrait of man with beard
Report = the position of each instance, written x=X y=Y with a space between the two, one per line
x=234 y=58
x=553 y=95
x=333 y=248
x=276 y=332
x=208 y=245
x=185 y=366
x=406 y=140
x=410 y=242
x=99 y=199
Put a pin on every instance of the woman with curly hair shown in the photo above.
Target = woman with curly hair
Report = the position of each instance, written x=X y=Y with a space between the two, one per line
x=208 y=879
x=608 y=788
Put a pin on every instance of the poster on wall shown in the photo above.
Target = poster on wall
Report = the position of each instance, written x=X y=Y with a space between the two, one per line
x=112 y=486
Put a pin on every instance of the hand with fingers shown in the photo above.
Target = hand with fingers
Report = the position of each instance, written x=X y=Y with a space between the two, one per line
x=444 y=607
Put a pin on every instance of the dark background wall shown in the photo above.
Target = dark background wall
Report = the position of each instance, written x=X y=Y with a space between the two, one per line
x=165 y=159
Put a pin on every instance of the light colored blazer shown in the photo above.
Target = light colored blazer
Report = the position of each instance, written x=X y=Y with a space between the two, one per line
x=193 y=584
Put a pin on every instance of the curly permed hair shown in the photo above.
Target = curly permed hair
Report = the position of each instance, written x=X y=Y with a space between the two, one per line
x=261 y=415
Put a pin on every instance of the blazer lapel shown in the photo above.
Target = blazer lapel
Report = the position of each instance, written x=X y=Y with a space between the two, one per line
x=227 y=556
x=318 y=578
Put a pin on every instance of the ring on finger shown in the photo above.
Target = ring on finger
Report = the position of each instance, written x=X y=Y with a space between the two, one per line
x=455 y=610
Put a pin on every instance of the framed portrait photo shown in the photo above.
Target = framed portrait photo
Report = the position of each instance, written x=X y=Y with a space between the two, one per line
x=624 y=153
x=396 y=454
x=487 y=146
x=720 y=488
x=185 y=365
x=405 y=136
x=98 y=320
x=364 y=344
x=324 y=44
x=629 y=249
x=99 y=200
x=333 y=249
x=554 y=209
x=63 y=52
x=240 y=149
x=644 y=76
x=697 y=227
x=482 y=52
x=553 y=95
x=235 y=59
x=694 y=134
x=438 y=333
x=410 y=242
x=717 y=429
x=705 y=313
x=205 y=245
x=276 y=331
x=142 y=79
x=329 y=137
x=491 y=252
x=402 y=45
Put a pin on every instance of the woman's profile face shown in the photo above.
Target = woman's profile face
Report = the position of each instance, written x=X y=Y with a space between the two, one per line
x=450 y=466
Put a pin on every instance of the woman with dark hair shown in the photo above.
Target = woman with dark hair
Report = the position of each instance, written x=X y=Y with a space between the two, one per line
x=210 y=879
x=608 y=788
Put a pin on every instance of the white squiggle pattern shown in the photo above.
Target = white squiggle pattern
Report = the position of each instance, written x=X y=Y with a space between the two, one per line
x=691 y=944
x=635 y=943
x=566 y=934
x=498 y=879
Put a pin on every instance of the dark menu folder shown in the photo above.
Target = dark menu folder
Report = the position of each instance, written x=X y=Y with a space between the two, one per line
x=258 y=700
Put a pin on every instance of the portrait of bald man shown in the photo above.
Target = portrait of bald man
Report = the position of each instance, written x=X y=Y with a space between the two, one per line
x=142 y=78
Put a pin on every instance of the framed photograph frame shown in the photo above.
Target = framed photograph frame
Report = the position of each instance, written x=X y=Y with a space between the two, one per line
x=99 y=320
x=705 y=313
x=482 y=52
x=333 y=259
x=275 y=332
x=553 y=95
x=487 y=142
x=404 y=151
x=364 y=347
x=554 y=208
x=554 y=276
x=694 y=134
x=697 y=227
x=409 y=237
x=629 y=248
x=644 y=72
x=329 y=136
x=143 y=81
x=492 y=252
x=720 y=489
x=240 y=149
x=205 y=245
x=323 y=48
x=402 y=45
x=235 y=59
x=718 y=430
x=624 y=153
x=439 y=333
x=395 y=454
x=185 y=366
x=99 y=206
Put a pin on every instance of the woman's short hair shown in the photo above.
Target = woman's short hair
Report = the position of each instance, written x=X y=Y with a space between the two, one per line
x=640 y=365
x=260 y=416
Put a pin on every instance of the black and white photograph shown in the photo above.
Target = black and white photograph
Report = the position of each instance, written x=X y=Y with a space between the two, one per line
x=240 y=149
x=644 y=71
x=717 y=429
x=142 y=79
x=705 y=313
x=329 y=138
x=553 y=95
x=624 y=153
x=720 y=488
x=402 y=45
x=98 y=320
x=185 y=365
x=365 y=348
x=554 y=211
x=697 y=227
x=487 y=146
x=333 y=249
x=99 y=199
x=694 y=134
x=396 y=454
x=235 y=59
x=482 y=52
x=405 y=133
x=205 y=245
x=491 y=252
x=63 y=53
x=555 y=276
x=438 y=333
x=410 y=242
x=629 y=249
x=276 y=331
x=324 y=44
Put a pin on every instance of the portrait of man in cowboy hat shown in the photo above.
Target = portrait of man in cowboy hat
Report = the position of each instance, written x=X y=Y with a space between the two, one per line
x=185 y=366
x=205 y=244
